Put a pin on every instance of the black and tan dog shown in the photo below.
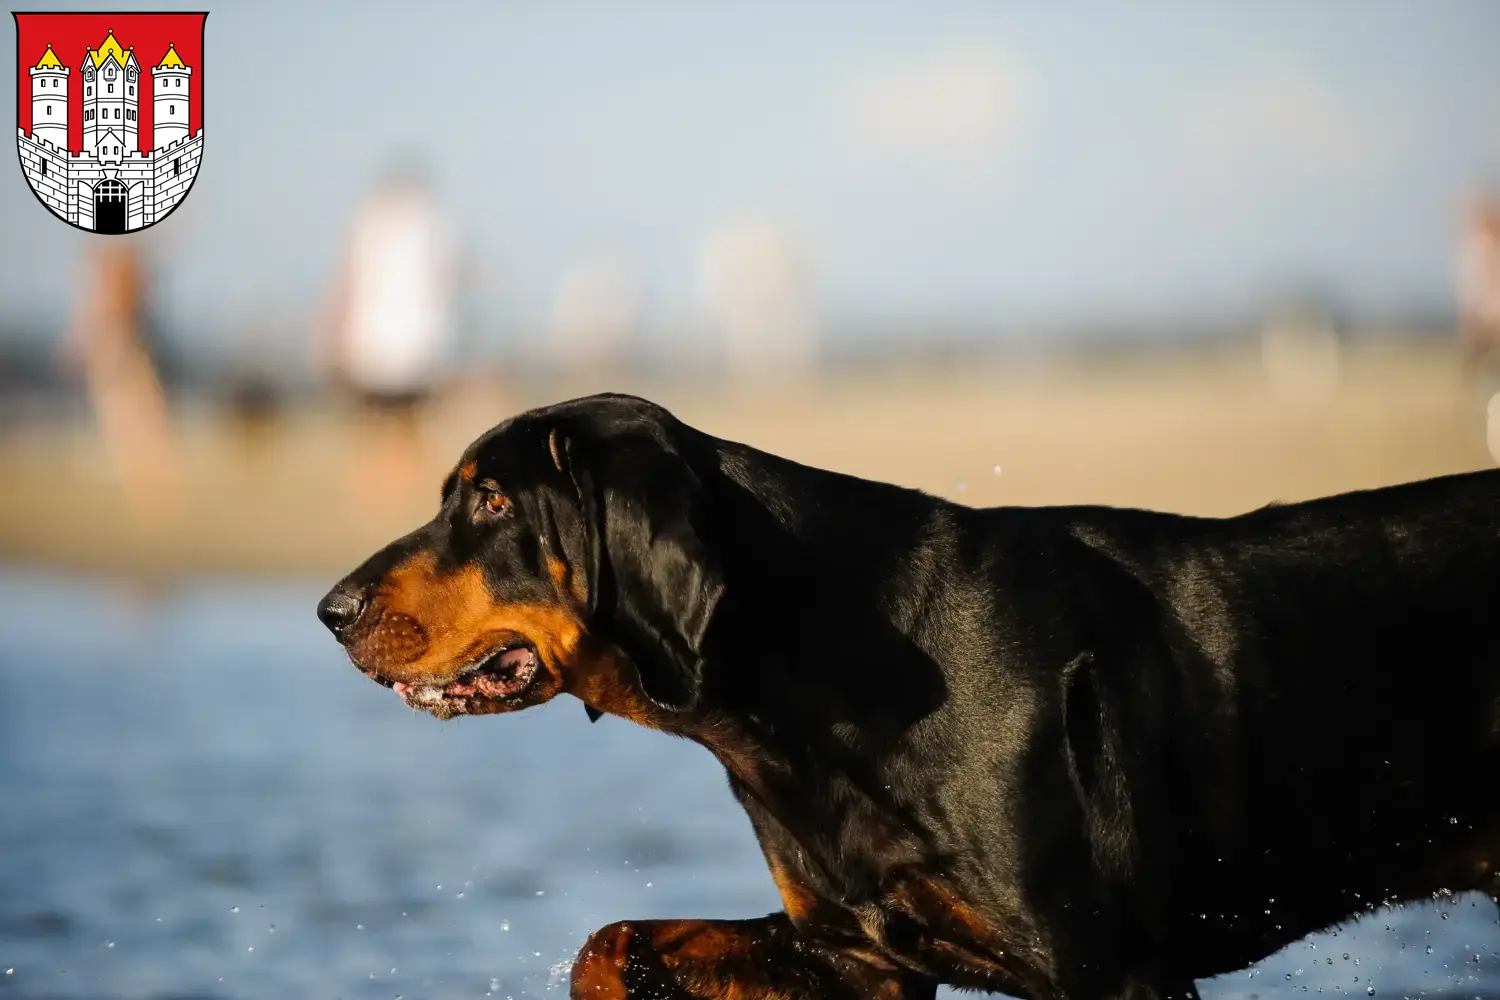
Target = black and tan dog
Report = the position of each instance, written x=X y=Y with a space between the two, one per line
x=1067 y=752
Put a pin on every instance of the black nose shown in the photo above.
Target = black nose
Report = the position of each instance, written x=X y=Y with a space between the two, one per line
x=339 y=609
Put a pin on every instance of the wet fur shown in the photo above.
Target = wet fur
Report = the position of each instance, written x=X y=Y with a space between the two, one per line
x=1064 y=752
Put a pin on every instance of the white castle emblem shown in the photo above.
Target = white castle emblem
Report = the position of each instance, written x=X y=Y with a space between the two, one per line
x=110 y=186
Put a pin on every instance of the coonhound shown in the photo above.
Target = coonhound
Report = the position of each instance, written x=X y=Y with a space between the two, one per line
x=1065 y=753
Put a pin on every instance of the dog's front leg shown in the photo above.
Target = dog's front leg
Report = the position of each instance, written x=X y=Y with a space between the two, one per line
x=1138 y=989
x=742 y=959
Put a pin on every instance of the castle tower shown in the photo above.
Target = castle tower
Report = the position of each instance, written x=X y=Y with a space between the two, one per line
x=171 y=81
x=111 y=98
x=49 y=100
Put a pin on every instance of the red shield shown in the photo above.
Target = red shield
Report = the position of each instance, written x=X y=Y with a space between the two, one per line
x=109 y=114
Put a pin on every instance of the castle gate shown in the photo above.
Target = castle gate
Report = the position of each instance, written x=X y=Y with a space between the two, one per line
x=109 y=206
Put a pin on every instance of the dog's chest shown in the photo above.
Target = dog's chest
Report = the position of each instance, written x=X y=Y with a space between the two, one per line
x=857 y=876
x=925 y=923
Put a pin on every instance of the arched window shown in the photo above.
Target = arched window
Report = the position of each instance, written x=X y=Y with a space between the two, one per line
x=179 y=81
x=88 y=91
x=49 y=110
x=111 y=88
x=132 y=91
x=171 y=109
x=117 y=112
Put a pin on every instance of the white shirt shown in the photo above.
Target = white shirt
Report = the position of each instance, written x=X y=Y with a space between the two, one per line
x=398 y=306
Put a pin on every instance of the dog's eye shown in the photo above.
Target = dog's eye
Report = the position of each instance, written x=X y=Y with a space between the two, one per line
x=495 y=503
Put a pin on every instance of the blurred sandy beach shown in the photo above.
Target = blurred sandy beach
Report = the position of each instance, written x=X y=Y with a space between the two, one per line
x=1207 y=433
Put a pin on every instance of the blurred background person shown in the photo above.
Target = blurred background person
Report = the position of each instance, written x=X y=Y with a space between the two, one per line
x=110 y=344
x=758 y=291
x=390 y=324
x=595 y=315
x=1479 y=281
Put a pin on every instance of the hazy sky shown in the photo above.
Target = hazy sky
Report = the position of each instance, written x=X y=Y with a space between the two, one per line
x=1006 y=163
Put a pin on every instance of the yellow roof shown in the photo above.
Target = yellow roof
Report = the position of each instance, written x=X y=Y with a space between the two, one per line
x=111 y=49
x=171 y=60
x=49 y=59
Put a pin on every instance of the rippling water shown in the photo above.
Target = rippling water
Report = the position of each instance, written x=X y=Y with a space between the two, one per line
x=199 y=798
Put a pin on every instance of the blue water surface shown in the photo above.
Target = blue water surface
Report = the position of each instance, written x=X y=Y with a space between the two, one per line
x=200 y=798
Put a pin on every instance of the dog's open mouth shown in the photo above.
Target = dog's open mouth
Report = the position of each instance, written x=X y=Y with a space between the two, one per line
x=501 y=675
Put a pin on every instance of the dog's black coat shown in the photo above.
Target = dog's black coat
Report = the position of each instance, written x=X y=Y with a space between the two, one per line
x=1061 y=752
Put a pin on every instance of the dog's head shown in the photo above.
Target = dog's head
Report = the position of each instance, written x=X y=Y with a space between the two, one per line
x=569 y=554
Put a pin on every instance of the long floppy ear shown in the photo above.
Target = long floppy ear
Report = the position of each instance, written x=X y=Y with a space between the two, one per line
x=653 y=578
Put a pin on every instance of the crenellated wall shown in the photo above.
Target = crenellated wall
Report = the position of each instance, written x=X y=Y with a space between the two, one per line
x=157 y=181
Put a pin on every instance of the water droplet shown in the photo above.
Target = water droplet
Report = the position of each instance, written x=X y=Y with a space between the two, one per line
x=648 y=885
x=1429 y=949
x=541 y=892
x=234 y=909
x=1370 y=991
x=359 y=927
x=250 y=948
x=1445 y=916
x=1346 y=956
x=459 y=896
x=109 y=944
x=505 y=925
x=10 y=972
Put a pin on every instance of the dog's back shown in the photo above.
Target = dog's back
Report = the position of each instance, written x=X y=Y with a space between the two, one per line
x=1341 y=658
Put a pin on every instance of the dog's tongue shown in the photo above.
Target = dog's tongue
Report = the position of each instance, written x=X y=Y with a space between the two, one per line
x=416 y=695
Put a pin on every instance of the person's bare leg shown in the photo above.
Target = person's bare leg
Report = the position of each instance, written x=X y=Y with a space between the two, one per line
x=131 y=408
x=386 y=472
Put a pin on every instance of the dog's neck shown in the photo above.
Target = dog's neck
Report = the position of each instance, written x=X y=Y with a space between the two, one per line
x=798 y=539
